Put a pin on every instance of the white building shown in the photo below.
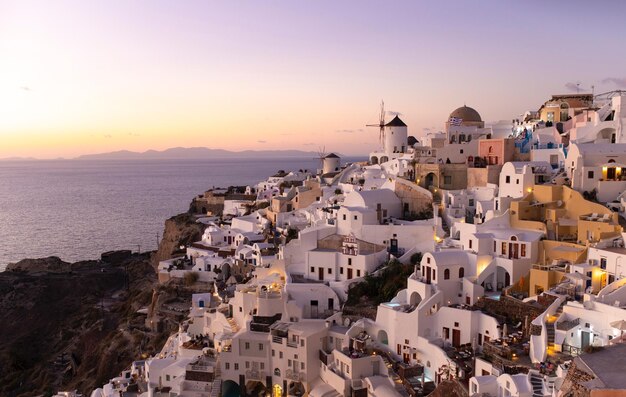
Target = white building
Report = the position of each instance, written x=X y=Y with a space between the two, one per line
x=597 y=167
x=518 y=178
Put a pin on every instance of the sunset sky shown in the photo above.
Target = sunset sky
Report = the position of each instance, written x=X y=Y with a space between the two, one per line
x=80 y=77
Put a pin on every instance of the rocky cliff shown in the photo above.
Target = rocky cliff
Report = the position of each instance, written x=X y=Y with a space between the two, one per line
x=73 y=326
x=180 y=230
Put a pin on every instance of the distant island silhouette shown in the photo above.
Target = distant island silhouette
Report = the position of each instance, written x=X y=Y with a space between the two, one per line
x=181 y=153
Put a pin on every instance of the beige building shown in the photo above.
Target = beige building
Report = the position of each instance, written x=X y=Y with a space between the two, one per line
x=561 y=108
x=415 y=199
x=441 y=176
x=571 y=225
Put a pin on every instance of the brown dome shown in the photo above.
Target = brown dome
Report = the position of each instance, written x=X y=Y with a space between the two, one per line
x=467 y=114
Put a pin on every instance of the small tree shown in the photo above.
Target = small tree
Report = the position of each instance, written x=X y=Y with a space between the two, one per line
x=190 y=278
x=291 y=234
x=416 y=258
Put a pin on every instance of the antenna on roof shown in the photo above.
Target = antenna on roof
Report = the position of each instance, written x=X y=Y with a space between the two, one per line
x=381 y=122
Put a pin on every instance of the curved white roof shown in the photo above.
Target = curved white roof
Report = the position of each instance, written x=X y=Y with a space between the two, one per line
x=369 y=198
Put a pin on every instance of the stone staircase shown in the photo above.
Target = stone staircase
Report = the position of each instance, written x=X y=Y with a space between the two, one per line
x=233 y=325
x=550 y=331
x=216 y=386
x=536 y=381
x=551 y=324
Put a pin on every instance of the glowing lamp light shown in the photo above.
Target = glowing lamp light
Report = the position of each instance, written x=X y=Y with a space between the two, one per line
x=530 y=189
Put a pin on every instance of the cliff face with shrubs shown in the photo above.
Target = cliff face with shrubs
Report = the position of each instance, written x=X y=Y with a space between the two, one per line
x=180 y=230
x=72 y=326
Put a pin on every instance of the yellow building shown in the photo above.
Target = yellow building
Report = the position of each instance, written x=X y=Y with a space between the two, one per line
x=571 y=225
x=561 y=108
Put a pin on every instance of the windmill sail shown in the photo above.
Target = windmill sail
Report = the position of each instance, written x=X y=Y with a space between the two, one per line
x=381 y=122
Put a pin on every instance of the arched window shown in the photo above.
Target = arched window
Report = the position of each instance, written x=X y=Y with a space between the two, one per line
x=446 y=274
x=461 y=272
x=611 y=160
x=453 y=139
x=513 y=238
x=490 y=149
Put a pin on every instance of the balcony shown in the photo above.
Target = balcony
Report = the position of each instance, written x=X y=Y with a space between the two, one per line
x=292 y=343
x=324 y=357
x=254 y=374
x=295 y=375
x=567 y=325
x=269 y=294
x=277 y=339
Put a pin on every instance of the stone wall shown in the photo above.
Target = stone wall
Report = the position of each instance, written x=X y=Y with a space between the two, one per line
x=480 y=177
x=572 y=384
x=417 y=198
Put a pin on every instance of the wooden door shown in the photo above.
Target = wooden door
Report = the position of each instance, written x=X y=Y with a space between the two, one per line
x=349 y=273
x=320 y=273
x=456 y=337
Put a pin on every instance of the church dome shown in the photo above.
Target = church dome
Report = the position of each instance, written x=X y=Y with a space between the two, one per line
x=467 y=114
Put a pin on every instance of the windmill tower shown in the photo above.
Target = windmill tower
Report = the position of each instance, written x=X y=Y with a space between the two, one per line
x=328 y=162
x=381 y=123
x=393 y=134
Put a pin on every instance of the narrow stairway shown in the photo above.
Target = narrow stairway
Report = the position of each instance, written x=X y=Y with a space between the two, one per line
x=537 y=383
x=233 y=325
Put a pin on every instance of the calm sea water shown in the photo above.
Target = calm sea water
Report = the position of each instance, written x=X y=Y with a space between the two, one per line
x=79 y=209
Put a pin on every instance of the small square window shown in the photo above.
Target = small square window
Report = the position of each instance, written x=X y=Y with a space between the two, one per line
x=236 y=366
x=590 y=174
x=330 y=270
x=356 y=218
x=312 y=269
x=507 y=179
x=456 y=324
